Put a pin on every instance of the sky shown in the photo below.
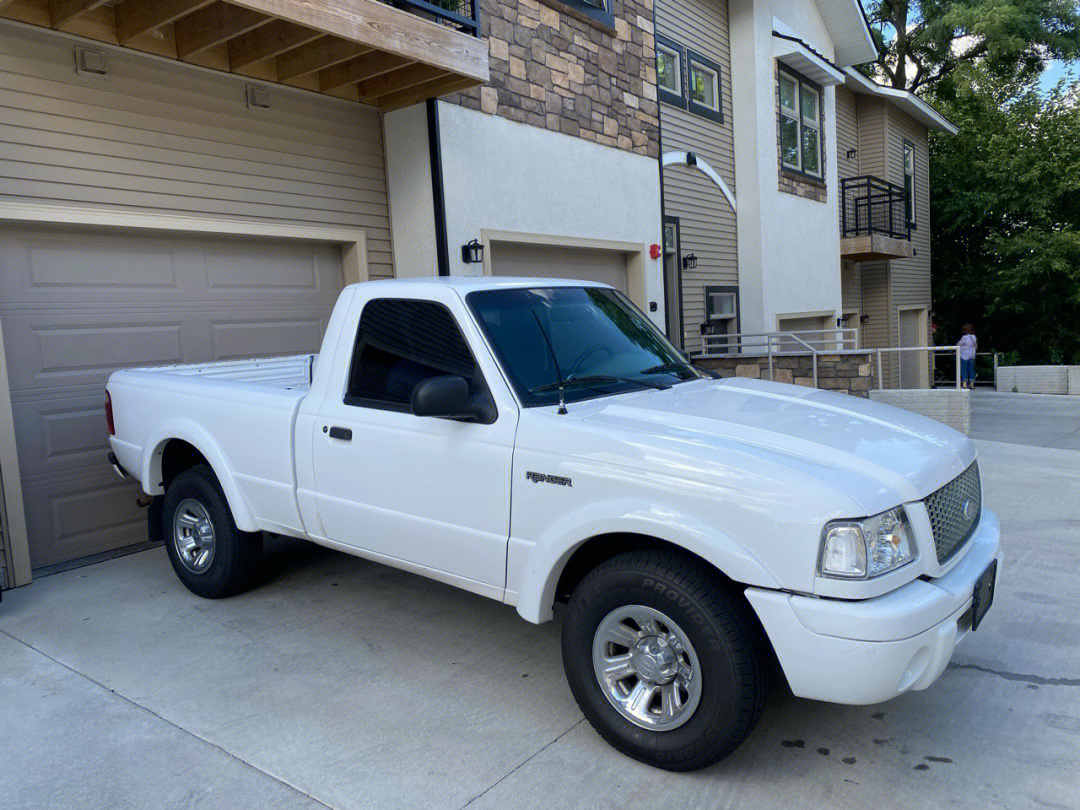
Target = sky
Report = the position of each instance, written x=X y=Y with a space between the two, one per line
x=1054 y=71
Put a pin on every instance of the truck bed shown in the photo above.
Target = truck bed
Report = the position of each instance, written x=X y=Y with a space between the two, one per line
x=291 y=373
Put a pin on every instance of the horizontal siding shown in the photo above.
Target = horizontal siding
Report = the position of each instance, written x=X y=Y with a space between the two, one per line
x=706 y=221
x=872 y=112
x=163 y=137
x=910 y=278
x=847 y=139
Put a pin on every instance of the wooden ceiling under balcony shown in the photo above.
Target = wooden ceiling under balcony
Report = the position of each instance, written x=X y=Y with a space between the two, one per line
x=361 y=50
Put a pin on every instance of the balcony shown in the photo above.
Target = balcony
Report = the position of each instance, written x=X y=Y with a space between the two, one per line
x=873 y=220
x=389 y=55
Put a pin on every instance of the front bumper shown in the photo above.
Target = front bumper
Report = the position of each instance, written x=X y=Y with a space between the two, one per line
x=871 y=650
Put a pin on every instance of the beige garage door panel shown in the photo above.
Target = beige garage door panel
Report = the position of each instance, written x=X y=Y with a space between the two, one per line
x=77 y=304
x=545 y=261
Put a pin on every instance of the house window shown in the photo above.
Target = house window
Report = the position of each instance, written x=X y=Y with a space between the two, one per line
x=721 y=315
x=800 y=125
x=398 y=345
x=669 y=72
x=591 y=10
x=703 y=90
x=909 y=182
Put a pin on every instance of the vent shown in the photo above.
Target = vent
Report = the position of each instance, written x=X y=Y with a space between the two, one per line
x=89 y=62
x=258 y=97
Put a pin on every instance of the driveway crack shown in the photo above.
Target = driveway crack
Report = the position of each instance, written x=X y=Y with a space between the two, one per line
x=1038 y=680
x=521 y=764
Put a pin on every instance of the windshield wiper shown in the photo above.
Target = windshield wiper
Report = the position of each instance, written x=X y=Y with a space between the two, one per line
x=598 y=379
x=666 y=368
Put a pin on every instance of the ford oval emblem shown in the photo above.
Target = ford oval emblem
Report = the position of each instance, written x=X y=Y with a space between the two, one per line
x=967 y=509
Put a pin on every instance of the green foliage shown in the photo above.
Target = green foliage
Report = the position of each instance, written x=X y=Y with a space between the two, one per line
x=923 y=42
x=1005 y=206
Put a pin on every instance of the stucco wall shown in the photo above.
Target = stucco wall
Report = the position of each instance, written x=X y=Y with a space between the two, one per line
x=1037 y=379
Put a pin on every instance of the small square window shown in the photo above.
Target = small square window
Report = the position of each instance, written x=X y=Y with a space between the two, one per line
x=703 y=86
x=670 y=81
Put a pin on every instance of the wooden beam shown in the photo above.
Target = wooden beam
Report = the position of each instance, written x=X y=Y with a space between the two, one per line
x=61 y=11
x=422 y=92
x=397 y=80
x=373 y=23
x=267 y=41
x=134 y=17
x=363 y=67
x=322 y=53
x=213 y=25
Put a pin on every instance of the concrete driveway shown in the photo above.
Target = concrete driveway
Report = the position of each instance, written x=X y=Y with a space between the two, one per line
x=342 y=683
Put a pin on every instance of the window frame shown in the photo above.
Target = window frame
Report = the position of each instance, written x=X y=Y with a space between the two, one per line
x=603 y=17
x=910 y=211
x=800 y=82
x=662 y=93
x=403 y=407
x=710 y=319
x=714 y=114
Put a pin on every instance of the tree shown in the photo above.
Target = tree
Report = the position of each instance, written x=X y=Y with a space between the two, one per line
x=922 y=42
x=1005 y=203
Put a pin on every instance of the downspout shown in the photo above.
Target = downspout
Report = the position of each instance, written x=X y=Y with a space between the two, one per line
x=438 y=195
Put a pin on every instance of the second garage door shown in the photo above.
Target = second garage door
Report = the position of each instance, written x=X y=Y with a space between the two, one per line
x=546 y=261
x=77 y=304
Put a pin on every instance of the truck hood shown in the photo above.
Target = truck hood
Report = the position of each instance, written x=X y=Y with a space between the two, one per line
x=875 y=454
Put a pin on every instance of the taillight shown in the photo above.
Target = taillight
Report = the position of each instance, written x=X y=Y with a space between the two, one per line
x=108 y=415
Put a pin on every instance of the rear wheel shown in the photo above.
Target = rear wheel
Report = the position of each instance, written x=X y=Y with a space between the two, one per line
x=667 y=664
x=209 y=554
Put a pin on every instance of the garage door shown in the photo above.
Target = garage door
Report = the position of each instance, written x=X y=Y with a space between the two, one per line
x=76 y=304
x=544 y=261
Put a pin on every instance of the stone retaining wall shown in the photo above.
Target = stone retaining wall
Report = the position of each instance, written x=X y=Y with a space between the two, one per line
x=846 y=373
x=943 y=404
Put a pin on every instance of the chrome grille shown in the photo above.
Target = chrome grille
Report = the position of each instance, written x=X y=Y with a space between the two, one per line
x=946 y=509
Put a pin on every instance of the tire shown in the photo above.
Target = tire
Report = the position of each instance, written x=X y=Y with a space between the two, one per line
x=196 y=515
x=713 y=634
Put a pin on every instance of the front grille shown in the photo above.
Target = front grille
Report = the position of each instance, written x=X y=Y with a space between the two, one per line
x=946 y=509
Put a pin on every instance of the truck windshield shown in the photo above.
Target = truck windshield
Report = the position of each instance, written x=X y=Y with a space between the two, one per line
x=590 y=339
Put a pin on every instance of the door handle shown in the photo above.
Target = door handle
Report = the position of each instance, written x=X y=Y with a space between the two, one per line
x=345 y=434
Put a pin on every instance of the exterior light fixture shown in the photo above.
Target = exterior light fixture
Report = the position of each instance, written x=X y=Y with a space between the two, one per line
x=864 y=319
x=851 y=153
x=472 y=253
x=689 y=261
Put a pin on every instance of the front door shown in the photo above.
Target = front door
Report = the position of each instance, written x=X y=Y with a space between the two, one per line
x=430 y=492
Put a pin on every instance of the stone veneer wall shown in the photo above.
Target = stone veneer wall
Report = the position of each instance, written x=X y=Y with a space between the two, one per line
x=946 y=405
x=553 y=69
x=845 y=373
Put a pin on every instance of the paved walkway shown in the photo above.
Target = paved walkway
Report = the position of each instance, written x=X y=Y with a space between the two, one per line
x=341 y=683
x=1040 y=420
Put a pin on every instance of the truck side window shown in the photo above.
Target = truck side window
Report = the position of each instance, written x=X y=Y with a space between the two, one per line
x=399 y=343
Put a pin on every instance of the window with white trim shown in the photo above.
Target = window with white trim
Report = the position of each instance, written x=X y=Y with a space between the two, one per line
x=703 y=86
x=800 y=125
x=668 y=70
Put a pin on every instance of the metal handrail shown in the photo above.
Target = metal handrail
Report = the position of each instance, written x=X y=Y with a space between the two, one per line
x=463 y=15
x=826 y=340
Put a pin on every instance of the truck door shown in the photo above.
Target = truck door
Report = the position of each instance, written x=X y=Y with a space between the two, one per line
x=426 y=491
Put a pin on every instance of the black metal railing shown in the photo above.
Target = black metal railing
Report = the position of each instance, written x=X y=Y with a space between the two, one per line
x=871 y=205
x=460 y=14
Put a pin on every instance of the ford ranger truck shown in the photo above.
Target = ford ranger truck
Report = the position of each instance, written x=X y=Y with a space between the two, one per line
x=542 y=443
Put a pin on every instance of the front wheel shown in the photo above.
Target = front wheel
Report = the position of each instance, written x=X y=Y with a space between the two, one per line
x=209 y=554
x=667 y=664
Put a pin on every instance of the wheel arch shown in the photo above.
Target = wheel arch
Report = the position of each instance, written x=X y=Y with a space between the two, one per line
x=179 y=447
x=553 y=565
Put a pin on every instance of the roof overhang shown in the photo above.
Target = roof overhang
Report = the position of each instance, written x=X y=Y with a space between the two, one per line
x=362 y=50
x=849 y=30
x=800 y=57
x=910 y=103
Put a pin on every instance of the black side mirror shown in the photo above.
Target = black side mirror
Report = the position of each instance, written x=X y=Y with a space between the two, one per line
x=445 y=397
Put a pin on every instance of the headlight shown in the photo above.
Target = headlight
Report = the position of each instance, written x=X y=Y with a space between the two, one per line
x=860 y=549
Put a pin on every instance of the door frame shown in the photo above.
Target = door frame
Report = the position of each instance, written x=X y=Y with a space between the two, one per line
x=353 y=242
x=635 y=252
x=673 y=307
x=923 y=359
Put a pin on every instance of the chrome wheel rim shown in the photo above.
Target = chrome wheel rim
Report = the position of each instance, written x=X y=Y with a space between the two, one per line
x=647 y=667
x=193 y=536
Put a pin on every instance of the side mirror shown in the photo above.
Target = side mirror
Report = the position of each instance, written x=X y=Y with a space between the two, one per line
x=445 y=397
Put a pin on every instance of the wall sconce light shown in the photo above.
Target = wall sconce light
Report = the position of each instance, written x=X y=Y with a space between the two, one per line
x=842 y=321
x=689 y=261
x=472 y=253
x=864 y=319
x=851 y=153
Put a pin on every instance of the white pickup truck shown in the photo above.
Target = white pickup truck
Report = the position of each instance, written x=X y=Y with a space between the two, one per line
x=541 y=442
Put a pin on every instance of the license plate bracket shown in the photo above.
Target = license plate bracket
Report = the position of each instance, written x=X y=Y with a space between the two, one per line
x=983 y=596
